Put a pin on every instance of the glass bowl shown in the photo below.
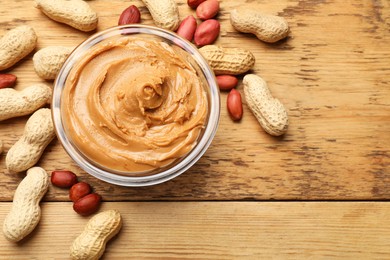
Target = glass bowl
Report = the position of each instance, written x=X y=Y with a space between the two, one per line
x=166 y=172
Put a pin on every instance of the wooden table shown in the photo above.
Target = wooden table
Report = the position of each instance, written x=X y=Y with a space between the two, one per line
x=319 y=191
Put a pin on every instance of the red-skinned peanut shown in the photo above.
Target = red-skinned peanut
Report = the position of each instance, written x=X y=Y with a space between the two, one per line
x=234 y=105
x=63 y=179
x=79 y=190
x=207 y=32
x=7 y=80
x=226 y=82
x=187 y=28
x=130 y=15
x=207 y=9
x=88 y=204
x=194 y=3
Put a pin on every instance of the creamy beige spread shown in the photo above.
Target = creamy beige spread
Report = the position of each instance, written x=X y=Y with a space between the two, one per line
x=134 y=105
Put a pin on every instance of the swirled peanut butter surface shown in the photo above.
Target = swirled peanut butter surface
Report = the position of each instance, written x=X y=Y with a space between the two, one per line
x=134 y=105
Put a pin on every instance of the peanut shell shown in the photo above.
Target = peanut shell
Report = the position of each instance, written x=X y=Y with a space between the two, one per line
x=267 y=28
x=228 y=61
x=16 y=44
x=38 y=133
x=48 y=61
x=165 y=13
x=75 y=13
x=14 y=103
x=268 y=110
x=91 y=243
x=25 y=212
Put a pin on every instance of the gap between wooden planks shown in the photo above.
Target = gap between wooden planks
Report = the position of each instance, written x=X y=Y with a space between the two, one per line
x=219 y=230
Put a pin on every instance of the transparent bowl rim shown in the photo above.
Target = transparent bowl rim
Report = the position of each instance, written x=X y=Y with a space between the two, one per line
x=190 y=159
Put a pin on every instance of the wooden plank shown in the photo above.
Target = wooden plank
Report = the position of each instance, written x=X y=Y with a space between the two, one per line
x=332 y=74
x=219 y=230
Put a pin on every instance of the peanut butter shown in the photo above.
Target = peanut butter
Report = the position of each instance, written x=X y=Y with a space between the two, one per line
x=134 y=105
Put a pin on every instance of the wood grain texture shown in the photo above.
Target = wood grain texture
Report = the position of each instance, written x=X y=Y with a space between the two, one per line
x=332 y=73
x=219 y=230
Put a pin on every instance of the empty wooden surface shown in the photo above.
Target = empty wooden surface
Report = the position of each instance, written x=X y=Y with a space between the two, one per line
x=333 y=75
